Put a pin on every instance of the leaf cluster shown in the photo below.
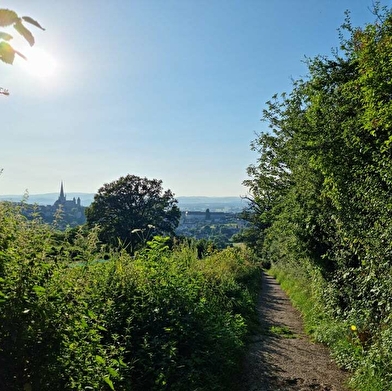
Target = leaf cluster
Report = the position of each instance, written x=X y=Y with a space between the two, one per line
x=10 y=18
x=7 y=52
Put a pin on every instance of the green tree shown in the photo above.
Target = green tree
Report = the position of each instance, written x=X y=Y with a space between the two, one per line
x=321 y=189
x=133 y=209
x=7 y=52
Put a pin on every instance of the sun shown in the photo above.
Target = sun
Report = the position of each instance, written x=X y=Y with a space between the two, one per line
x=40 y=63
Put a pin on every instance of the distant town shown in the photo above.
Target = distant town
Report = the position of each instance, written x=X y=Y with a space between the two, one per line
x=196 y=203
x=211 y=218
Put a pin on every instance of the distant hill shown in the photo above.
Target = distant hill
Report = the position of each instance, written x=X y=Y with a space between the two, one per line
x=214 y=204
x=49 y=198
x=217 y=204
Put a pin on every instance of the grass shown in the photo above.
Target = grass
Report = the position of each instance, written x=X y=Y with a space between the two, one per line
x=282 y=331
x=368 y=368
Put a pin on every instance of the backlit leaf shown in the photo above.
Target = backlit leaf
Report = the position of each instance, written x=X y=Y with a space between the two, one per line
x=7 y=17
x=32 y=21
x=5 y=36
x=22 y=30
x=7 y=53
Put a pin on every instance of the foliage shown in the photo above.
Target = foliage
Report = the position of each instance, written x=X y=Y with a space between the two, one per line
x=133 y=209
x=7 y=52
x=220 y=230
x=76 y=316
x=322 y=185
x=58 y=215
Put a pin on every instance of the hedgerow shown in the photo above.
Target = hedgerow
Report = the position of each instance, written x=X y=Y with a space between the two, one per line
x=321 y=195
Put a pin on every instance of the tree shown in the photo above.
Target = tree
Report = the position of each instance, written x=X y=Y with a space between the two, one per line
x=132 y=210
x=7 y=52
x=321 y=189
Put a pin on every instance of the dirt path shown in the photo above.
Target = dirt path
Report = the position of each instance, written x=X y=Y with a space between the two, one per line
x=281 y=357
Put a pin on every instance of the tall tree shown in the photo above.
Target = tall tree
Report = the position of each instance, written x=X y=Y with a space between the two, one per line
x=132 y=209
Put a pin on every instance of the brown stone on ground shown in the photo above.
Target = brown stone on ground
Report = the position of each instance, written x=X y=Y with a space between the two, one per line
x=281 y=357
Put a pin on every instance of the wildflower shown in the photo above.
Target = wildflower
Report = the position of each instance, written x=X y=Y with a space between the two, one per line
x=353 y=328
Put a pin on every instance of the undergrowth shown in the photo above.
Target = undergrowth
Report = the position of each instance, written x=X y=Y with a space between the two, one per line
x=75 y=315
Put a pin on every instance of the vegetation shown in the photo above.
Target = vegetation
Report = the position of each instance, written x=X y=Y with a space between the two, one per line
x=114 y=306
x=77 y=315
x=7 y=52
x=62 y=217
x=133 y=209
x=321 y=197
x=220 y=230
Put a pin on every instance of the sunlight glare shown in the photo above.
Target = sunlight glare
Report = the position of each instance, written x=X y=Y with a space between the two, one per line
x=40 y=63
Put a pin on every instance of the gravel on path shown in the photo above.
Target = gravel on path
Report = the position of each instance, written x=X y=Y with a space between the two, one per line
x=281 y=357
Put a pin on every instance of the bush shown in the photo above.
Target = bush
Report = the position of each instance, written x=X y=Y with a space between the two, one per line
x=78 y=316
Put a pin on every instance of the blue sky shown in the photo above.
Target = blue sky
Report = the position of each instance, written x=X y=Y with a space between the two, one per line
x=167 y=89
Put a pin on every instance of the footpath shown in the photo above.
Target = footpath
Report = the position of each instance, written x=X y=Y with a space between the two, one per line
x=281 y=357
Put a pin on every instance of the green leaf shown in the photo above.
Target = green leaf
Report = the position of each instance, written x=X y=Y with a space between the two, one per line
x=5 y=36
x=39 y=290
x=32 y=21
x=7 y=53
x=3 y=295
x=122 y=363
x=83 y=324
x=113 y=372
x=22 y=30
x=109 y=382
x=7 y=17
x=91 y=314
x=99 y=360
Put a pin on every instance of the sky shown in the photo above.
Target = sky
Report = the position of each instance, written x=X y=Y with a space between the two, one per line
x=165 y=89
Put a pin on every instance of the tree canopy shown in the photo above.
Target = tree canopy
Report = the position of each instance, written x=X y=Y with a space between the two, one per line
x=322 y=186
x=132 y=209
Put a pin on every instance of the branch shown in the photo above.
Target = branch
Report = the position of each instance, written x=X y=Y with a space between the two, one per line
x=4 y=91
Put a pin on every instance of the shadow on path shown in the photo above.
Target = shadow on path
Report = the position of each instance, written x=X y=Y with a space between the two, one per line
x=280 y=356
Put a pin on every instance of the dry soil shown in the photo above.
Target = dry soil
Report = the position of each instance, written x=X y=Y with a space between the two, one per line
x=281 y=357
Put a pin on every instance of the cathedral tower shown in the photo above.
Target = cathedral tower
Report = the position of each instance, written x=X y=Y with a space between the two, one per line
x=62 y=198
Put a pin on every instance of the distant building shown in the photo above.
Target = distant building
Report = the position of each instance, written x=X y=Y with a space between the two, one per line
x=62 y=200
x=190 y=217
x=71 y=211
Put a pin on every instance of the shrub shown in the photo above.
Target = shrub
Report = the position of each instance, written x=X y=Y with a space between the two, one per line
x=78 y=316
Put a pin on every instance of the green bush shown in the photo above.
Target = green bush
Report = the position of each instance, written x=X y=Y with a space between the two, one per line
x=78 y=316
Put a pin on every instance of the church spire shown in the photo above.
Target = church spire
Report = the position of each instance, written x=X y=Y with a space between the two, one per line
x=62 y=196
